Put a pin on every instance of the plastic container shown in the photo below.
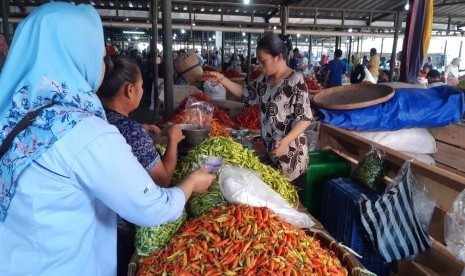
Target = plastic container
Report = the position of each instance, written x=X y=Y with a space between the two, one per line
x=323 y=166
x=341 y=218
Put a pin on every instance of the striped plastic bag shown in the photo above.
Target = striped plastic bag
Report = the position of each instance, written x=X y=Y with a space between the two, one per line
x=391 y=222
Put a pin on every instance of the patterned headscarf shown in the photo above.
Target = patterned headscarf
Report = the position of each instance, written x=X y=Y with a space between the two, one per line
x=56 y=56
x=3 y=46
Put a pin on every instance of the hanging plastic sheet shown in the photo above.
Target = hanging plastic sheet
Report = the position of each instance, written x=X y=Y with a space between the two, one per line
x=408 y=108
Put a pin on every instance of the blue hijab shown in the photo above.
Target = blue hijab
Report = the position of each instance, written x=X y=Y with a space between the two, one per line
x=56 y=56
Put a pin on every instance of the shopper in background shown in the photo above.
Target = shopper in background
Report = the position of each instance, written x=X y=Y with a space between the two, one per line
x=336 y=69
x=295 y=59
x=358 y=72
x=434 y=78
x=428 y=63
x=383 y=76
x=323 y=70
x=284 y=104
x=3 y=51
x=373 y=63
x=451 y=73
x=66 y=176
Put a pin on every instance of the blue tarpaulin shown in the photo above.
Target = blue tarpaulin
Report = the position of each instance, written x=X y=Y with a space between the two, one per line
x=408 y=108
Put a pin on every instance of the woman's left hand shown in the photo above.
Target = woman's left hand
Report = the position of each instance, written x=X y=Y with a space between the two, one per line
x=151 y=128
x=280 y=148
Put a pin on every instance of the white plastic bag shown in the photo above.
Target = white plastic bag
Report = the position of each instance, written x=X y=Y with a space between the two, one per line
x=243 y=186
x=313 y=136
x=214 y=91
x=454 y=227
x=368 y=76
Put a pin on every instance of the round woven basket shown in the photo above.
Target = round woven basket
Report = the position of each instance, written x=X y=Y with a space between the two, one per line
x=187 y=65
x=353 y=96
x=350 y=262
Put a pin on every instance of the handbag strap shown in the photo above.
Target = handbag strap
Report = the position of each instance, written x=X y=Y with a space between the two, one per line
x=25 y=122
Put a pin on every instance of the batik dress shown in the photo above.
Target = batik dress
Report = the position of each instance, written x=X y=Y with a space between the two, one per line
x=281 y=107
x=139 y=140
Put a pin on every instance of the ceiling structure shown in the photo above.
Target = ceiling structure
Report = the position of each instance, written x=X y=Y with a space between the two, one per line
x=324 y=18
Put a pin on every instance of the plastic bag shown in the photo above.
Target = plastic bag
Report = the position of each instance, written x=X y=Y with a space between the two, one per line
x=149 y=239
x=313 y=136
x=424 y=205
x=198 y=112
x=391 y=222
x=243 y=186
x=212 y=163
x=454 y=227
x=214 y=91
x=371 y=170
x=199 y=204
x=368 y=76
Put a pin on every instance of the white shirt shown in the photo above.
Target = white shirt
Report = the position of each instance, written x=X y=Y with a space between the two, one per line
x=62 y=219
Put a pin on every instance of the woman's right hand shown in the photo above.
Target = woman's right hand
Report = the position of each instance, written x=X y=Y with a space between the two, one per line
x=174 y=134
x=201 y=180
x=213 y=76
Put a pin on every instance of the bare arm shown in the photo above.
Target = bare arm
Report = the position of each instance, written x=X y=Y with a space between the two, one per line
x=281 y=145
x=232 y=87
x=198 y=181
x=163 y=172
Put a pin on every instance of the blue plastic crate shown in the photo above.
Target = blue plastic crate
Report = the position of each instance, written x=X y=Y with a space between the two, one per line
x=341 y=217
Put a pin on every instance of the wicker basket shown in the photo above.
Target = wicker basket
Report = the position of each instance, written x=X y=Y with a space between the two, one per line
x=350 y=262
x=353 y=96
x=188 y=67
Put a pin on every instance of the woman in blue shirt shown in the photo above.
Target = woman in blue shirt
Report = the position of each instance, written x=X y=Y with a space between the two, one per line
x=64 y=177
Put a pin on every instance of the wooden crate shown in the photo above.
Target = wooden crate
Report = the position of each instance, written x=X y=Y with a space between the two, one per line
x=441 y=181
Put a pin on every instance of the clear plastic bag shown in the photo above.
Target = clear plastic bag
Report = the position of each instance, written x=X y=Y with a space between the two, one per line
x=424 y=205
x=454 y=227
x=371 y=170
x=199 y=204
x=198 y=112
x=243 y=186
x=212 y=163
x=149 y=239
x=313 y=136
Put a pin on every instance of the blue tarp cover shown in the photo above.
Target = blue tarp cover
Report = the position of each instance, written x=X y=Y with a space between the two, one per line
x=408 y=108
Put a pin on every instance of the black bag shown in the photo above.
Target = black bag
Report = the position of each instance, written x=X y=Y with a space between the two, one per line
x=391 y=222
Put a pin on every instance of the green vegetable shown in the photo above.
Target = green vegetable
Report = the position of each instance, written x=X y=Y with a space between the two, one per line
x=199 y=204
x=161 y=148
x=149 y=239
x=234 y=153
x=461 y=85
x=371 y=171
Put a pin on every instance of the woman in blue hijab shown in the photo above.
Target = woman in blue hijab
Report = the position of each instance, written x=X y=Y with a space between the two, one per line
x=66 y=175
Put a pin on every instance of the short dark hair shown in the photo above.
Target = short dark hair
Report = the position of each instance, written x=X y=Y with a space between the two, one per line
x=295 y=50
x=338 y=53
x=119 y=70
x=433 y=74
x=373 y=50
x=275 y=44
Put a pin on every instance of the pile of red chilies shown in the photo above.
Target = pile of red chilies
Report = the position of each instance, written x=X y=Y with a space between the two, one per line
x=249 y=117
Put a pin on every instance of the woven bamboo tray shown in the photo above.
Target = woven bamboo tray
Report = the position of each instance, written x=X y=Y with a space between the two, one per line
x=353 y=96
x=350 y=262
